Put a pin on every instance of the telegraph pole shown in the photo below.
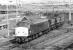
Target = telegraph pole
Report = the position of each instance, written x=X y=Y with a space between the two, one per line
x=16 y=10
x=18 y=4
x=70 y=11
x=7 y=20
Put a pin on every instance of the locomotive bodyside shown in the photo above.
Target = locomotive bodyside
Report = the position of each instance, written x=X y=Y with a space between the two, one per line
x=34 y=28
x=39 y=27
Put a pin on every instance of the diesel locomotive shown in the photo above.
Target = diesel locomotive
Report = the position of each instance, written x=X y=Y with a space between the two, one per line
x=30 y=29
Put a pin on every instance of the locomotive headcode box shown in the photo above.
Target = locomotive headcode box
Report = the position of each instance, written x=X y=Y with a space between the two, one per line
x=21 y=31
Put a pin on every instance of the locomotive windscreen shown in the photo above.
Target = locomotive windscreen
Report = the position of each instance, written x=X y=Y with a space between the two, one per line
x=23 y=24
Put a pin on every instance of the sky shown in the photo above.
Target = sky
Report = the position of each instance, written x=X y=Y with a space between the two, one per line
x=7 y=2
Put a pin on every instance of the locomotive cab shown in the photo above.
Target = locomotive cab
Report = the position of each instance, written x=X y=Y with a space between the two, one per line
x=22 y=29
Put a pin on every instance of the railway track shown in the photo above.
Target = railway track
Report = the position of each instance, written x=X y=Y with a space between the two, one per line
x=46 y=37
x=62 y=43
x=48 y=43
x=63 y=36
x=9 y=46
x=57 y=42
x=40 y=40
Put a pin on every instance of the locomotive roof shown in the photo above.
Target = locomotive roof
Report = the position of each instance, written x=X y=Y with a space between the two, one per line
x=38 y=20
x=34 y=20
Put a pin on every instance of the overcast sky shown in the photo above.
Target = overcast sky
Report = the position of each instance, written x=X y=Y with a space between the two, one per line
x=30 y=1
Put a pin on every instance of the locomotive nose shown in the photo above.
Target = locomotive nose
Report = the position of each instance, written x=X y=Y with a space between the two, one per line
x=21 y=31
